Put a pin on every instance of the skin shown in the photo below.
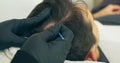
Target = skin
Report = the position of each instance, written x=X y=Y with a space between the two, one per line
x=93 y=53
x=111 y=9
x=94 y=49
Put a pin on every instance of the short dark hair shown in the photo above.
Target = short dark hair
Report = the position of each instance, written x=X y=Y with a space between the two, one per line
x=71 y=16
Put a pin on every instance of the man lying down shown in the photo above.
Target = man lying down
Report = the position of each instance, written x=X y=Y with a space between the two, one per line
x=77 y=18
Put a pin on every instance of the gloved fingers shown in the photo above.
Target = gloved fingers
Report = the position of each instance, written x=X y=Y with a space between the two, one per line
x=36 y=47
x=40 y=40
x=30 y=23
x=16 y=40
x=60 y=49
x=35 y=44
x=37 y=40
x=37 y=19
x=38 y=43
x=60 y=46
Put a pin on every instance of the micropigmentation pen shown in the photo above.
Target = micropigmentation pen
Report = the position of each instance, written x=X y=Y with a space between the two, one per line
x=61 y=36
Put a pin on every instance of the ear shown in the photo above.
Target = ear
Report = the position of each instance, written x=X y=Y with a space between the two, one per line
x=91 y=56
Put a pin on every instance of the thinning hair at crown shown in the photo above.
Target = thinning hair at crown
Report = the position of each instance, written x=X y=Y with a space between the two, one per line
x=72 y=16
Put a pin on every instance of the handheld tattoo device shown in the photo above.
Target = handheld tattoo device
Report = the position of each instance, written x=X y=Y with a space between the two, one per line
x=61 y=36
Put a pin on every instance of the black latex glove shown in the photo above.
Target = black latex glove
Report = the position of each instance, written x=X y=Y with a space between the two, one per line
x=47 y=47
x=12 y=30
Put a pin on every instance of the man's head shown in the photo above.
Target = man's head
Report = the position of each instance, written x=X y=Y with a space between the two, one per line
x=77 y=18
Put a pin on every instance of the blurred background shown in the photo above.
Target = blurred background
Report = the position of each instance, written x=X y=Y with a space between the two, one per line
x=21 y=8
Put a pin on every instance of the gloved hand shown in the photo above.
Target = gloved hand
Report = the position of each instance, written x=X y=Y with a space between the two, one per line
x=47 y=47
x=11 y=31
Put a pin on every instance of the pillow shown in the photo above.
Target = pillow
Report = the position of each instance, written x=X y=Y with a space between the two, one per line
x=81 y=62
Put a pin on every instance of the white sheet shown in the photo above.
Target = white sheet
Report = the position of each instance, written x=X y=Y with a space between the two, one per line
x=82 y=62
x=7 y=55
x=110 y=41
